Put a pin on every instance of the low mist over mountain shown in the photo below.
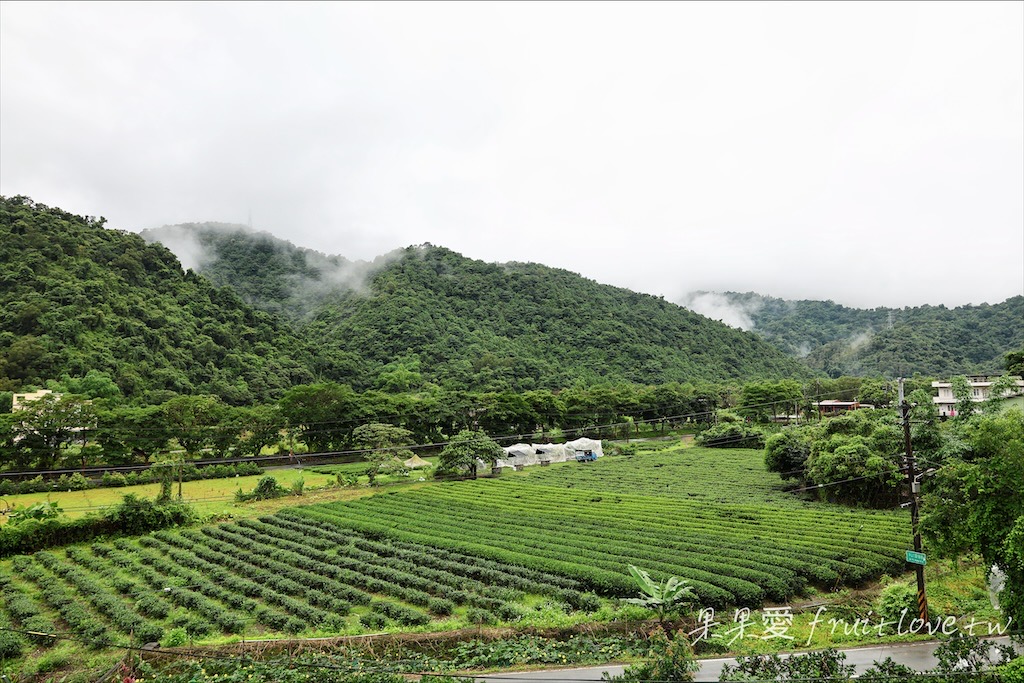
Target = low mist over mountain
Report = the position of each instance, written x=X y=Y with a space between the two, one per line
x=436 y=315
x=930 y=340
x=255 y=315
x=267 y=272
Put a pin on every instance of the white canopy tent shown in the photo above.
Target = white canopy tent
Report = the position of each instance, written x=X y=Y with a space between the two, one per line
x=523 y=455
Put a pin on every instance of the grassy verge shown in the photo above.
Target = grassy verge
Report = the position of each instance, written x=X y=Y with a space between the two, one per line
x=209 y=496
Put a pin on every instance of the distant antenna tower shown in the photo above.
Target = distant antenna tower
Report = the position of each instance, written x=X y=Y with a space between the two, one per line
x=888 y=325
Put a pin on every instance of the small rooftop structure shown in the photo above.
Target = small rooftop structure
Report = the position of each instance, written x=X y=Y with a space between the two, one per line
x=19 y=401
x=832 y=407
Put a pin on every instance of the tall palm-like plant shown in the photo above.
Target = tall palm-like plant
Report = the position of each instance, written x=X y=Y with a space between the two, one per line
x=665 y=598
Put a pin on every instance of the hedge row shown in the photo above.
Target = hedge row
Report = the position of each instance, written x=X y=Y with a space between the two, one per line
x=132 y=516
x=79 y=482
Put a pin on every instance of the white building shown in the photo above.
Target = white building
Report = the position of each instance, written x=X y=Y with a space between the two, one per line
x=981 y=390
x=19 y=401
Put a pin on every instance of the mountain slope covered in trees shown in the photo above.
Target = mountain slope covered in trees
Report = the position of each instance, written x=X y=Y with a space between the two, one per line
x=78 y=298
x=930 y=340
x=428 y=314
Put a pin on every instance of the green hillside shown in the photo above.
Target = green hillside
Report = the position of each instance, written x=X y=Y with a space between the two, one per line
x=427 y=314
x=77 y=298
x=930 y=340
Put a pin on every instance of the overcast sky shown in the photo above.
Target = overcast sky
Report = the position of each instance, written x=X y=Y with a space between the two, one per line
x=869 y=153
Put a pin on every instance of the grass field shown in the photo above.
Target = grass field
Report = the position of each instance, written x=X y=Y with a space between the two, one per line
x=210 y=496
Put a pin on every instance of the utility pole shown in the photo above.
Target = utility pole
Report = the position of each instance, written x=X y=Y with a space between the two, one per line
x=915 y=488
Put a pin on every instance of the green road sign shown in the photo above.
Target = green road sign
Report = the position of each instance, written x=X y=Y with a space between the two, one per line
x=914 y=557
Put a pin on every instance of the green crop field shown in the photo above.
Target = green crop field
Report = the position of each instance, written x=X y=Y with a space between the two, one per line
x=521 y=548
x=209 y=496
x=715 y=517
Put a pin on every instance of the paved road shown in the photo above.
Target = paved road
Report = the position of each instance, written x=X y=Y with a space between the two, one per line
x=918 y=656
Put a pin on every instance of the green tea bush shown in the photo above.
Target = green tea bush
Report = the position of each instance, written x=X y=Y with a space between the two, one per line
x=11 y=645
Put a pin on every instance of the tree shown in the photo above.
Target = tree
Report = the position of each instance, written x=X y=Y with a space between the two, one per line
x=1002 y=388
x=464 y=451
x=322 y=413
x=387 y=447
x=259 y=426
x=196 y=422
x=961 y=389
x=857 y=457
x=763 y=400
x=1015 y=363
x=786 y=453
x=45 y=427
x=130 y=434
x=976 y=504
x=879 y=393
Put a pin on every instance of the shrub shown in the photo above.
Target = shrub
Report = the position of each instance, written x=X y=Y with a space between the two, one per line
x=114 y=479
x=135 y=515
x=731 y=435
x=11 y=645
x=1012 y=672
x=440 y=606
x=175 y=637
x=480 y=617
x=786 y=453
x=373 y=620
x=266 y=488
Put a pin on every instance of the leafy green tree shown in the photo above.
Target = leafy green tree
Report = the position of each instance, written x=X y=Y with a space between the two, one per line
x=196 y=422
x=764 y=400
x=465 y=450
x=879 y=393
x=258 y=427
x=975 y=504
x=322 y=413
x=400 y=377
x=855 y=458
x=1002 y=388
x=95 y=384
x=963 y=394
x=128 y=434
x=44 y=428
x=786 y=453
x=1015 y=362
x=387 y=447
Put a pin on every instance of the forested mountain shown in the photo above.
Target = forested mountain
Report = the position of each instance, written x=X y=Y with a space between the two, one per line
x=485 y=325
x=77 y=297
x=930 y=340
x=267 y=272
x=427 y=314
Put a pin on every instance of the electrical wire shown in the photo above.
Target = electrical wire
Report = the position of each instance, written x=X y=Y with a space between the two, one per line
x=696 y=416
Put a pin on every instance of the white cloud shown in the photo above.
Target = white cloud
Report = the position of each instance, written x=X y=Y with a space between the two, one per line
x=846 y=151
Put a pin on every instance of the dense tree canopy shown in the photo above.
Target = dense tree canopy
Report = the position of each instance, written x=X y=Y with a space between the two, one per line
x=891 y=342
x=81 y=301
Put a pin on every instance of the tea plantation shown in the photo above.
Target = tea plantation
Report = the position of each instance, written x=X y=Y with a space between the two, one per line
x=518 y=548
